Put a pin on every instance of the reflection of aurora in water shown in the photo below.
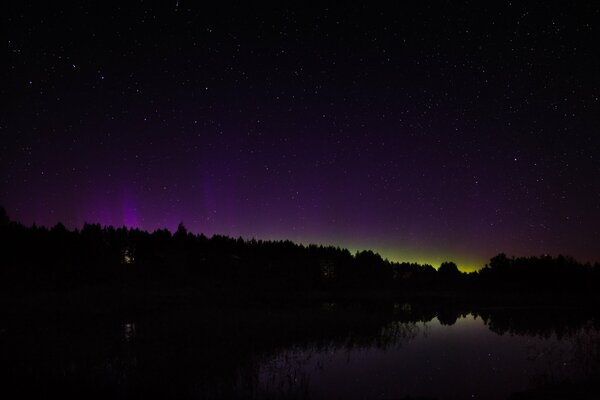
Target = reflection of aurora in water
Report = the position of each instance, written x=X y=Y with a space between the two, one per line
x=329 y=351
x=463 y=360
x=289 y=372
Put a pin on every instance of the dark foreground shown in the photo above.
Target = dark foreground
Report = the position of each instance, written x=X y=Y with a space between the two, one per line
x=100 y=344
x=106 y=312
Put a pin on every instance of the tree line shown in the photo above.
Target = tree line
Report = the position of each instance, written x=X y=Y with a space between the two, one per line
x=57 y=257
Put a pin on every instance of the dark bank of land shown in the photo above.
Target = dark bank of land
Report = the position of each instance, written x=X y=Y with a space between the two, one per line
x=107 y=266
x=205 y=311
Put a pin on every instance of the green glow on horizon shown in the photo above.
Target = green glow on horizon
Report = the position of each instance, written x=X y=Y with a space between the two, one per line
x=434 y=258
x=420 y=255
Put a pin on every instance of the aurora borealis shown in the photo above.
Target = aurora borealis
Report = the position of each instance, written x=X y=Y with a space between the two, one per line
x=425 y=132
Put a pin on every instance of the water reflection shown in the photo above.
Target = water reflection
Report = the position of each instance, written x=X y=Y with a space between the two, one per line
x=436 y=360
x=329 y=350
x=129 y=331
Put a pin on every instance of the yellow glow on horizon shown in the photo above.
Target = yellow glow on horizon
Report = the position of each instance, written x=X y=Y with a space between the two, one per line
x=396 y=253
x=465 y=264
x=423 y=256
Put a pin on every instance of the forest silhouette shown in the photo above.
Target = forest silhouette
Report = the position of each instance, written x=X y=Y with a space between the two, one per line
x=118 y=312
x=37 y=258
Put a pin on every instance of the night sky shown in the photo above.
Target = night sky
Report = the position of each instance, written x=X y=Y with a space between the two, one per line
x=425 y=132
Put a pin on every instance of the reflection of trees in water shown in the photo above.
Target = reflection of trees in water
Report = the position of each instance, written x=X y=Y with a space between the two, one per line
x=586 y=349
x=398 y=333
x=285 y=376
x=540 y=322
x=260 y=353
x=287 y=373
x=567 y=341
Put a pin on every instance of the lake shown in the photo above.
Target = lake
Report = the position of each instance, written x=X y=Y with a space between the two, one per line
x=324 y=351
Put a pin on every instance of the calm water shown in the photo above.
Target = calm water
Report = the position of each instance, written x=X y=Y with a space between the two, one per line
x=465 y=360
x=325 y=352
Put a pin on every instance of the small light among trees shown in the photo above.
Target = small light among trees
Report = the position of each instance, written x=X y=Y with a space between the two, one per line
x=128 y=257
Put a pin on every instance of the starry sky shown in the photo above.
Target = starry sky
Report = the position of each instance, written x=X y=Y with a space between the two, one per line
x=426 y=132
